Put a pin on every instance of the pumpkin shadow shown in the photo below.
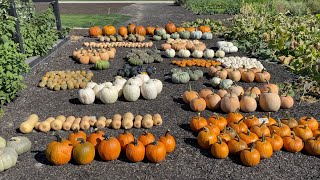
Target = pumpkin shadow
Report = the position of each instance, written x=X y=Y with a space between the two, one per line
x=235 y=159
x=178 y=100
x=207 y=85
x=183 y=105
x=40 y=156
x=74 y=101
x=193 y=142
x=186 y=127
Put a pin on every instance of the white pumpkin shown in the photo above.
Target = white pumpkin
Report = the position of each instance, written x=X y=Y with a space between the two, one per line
x=119 y=81
x=215 y=81
x=8 y=158
x=208 y=53
x=109 y=94
x=119 y=88
x=197 y=54
x=158 y=84
x=97 y=88
x=86 y=96
x=135 y=80
x=220 y=54
x=220 y=44
x=170 y=53
x=107 y=84
x=20 y=144
x=149 y=90
x=196 y=35
x=91 y=84
x=184 y=53
x=225 y=84
x=131 y=92
x=2 y=142
x=144 y=77
x=228 y=47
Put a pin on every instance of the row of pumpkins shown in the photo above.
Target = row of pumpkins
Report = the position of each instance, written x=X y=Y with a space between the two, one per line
x=170 y=28
x=127 y=121
x=83 y=148
x=86 y=56
x=131 y=89
x=234 y=98
x=235 y=133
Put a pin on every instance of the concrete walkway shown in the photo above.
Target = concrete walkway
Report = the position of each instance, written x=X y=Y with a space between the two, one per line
x=118 y=2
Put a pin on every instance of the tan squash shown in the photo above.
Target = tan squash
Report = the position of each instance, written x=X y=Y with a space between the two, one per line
x=137 y=121
x=44 y=126
x=116 y=121
x=147 y=121
x=68 y=123
x=28 y=125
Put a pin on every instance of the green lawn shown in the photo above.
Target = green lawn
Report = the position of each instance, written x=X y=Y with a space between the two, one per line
x=87 y=20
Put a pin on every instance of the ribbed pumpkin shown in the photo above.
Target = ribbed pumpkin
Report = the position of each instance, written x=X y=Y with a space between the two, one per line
x=109 y=149
x=140 y=30
x=169 y=141
x=197 y=123
x=95 y=138
x=156 y=152
x=130 y=28
x=83 y=153
x=206 y=138
x=123 y=31
x=75 y=135
x=150 y=30
x=125 y=138
x=95 y=31
x=170 y=28
x=109 y=30
x=135 y=151
x=59 y=152
x=205 y=29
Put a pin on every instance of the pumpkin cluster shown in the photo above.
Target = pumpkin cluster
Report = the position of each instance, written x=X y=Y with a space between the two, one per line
x=63 y=80
x=195 y=62
x=139 y=57
x=119 y=38
x=11 y=149
x=255 y=138
x=241 y=74
x=234 y=98
x=93 y=56
x=131 y=89
x=83 y=148
x=61 y=122
x=130 y=71
x=178 y=76
x=118 y=44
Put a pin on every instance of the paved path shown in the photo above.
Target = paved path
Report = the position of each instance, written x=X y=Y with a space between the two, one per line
x=120 y=2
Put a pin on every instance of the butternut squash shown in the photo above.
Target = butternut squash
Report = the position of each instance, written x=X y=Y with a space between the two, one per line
x=92 y=120
x=76 y=124
x=44 y=126
x=137 y=121
x=147 y=121
x=68 y=123
x=157 y=120
x=85 y=124
x=127 y=122
x=101 y=122
x=116 y=121
x=28 y=125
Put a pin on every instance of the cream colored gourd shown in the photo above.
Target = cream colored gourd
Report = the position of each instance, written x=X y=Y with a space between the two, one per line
x=183 y=53
x=108 y=95
x=131 y=92
x=269 y=101
x=8 y=158
x=2 y=142
x=157 y=120
x=28 y=125
x=91 y=85
x=170 y=53
x=116 y=121
x=229 y=48
x=208 y=53
x=20 y=144
x=101 y=122
x=92 y=120
x=230 y=103
x=197 y=54
x=127 y=121
x=248 y=103
x=220 y=54
x=135 y=80
x=119 y=81
x=45 y=125
x=97 y=88
x=143 y=77
x=76 y=124
x=86 y=96
x=149 y=90
x=58 y=122
x=68 y=123
x=107 y=84
x=158 y=85
x=85 y=124
x=137 y=121
x=108 y=122
x=147 y=121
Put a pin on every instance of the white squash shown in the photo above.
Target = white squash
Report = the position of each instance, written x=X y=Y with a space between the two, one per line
x=119 y=88
x=20 y=144
x=158 y=85
x=131 y=92
x=228 y=47
x=197 y=54
x=97 y=88
x=184 y=53
x=86 y=96
x=8 y=158
x=220 y=44
x=91 y=84
x=220 y=54
x=135 y=80
x=170 y=53
x=215 y=81
x=2 y=142
x=225 y=84
x=208 y=53
x=196 y=35
x=107 y=84
x=144 y=77
x=149 y=90
x=109 y=94
x=119 y=81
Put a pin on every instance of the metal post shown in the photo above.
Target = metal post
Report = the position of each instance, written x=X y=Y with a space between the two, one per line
x=56 y=12
x=16 y=35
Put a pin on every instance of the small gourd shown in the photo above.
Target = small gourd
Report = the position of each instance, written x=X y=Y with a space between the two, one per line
x=156 y=38
x=225 y=84
x=8 y=158
x=109 y=94
x=170 y=53
x=184 y=34
x=20 y=144
x=229 y=48
x=197 y=54
x=184 y=53
x=175 y=35
x=207 y=36
x=165 y=36
x=220 y=54
x=180 y=77
x=86 y=96
x=149 y=90
x=208 y=53
x=215 y=81
x=196 y=35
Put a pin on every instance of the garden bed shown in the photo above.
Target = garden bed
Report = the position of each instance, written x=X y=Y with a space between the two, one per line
x=187 y=162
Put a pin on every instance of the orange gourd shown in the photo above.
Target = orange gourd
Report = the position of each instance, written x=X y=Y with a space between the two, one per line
x=168 y=141
x=95 y=31
x=109 y=30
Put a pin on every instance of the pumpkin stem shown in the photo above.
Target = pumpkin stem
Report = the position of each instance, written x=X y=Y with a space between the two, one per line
x=279 y=122
x=269 y=115
x=263 y=123
x=248 y=132
x=167 y=132
x=305 y=126
x=145 y=132
x=155 y=143
x=81 y=140
x=219 y=139
x=216 y=115
x=288 y=115
x=75 y=131
x=198 y=115
x=237 y=136
x=135 y=141
x=206 y=129
x=59 y=139
x=263 y=138
x=252 y=146
x=293 y=135
x=190 y=87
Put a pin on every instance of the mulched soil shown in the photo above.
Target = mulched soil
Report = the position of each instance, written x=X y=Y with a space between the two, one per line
x=187 y=162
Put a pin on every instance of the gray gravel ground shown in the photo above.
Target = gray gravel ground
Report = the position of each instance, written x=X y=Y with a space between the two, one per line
x=187 y=161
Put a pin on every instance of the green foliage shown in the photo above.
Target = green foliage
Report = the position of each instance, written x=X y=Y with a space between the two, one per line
x=217 y=27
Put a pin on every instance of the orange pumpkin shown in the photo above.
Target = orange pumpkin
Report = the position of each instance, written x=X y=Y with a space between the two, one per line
x=205 y=29
x=83 y=153
x=236 y=145
x=218 y=121
x=59 y=152
x=239 y=126
x=250 y=157
x=95 y=31
x=75 y=135
x=303 y=132
x=312 y=123
x=156 y=152
x=198 y=104
x=109 y=149
x=280 y=129
x=135 y=151
x=169 y=141
x=170 y=28
x=95 y=138
x=292 y=143
x=276 y=141
x=264 y=147
x=251 y=121
x=189 y=95
x=220 y=149
x=180 y=29
x=249 y=137
x=191 y=29
x=312 y=146
x=140 y=30
x=234 y=117
x=150 y=30
x=123 y=31
x=131 y=28
x=146 y=138
x=109 y=30
x=213 y=128
x=197 y=123
x=125 y=138
x=260 y=130
x=205 y=138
